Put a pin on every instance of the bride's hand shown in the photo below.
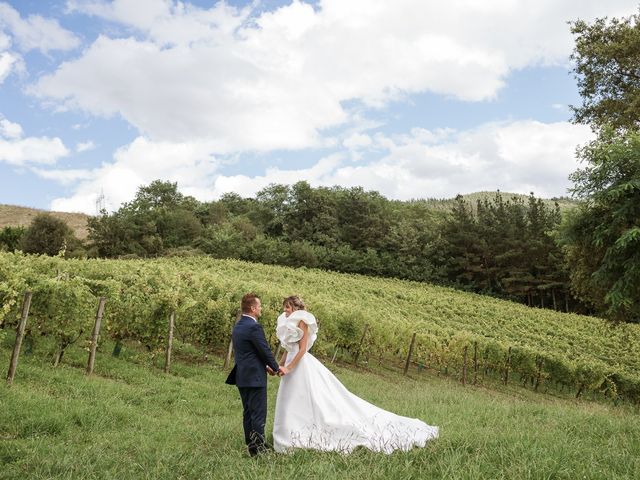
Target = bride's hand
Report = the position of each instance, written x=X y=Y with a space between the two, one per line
x=283 y=371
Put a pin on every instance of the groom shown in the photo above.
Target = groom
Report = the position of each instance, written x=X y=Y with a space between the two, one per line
x=253 y=359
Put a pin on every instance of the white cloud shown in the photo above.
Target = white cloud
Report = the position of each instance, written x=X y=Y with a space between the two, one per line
x=517 y=157
x=36 y=32
x=16 y=150
x=9 y=129
x=279 y=79
x=41 y=150
x=65 y=177
x=85 y=146
x=248 y=186
x=357 y=140
x=9 y=61
x=137 y=164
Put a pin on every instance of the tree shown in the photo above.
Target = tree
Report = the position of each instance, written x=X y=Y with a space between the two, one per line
x=11 y=237
x=48 y=235
x=607 y=67
x=158 y=217
x=158 y=195
x=602 y=239
x=273 y=202
x=364 y=218
x=311 y=215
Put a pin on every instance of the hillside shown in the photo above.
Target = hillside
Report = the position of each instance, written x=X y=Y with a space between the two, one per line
x=565 y=203
x=131 y=421
x=577 y=352
x=14 y=216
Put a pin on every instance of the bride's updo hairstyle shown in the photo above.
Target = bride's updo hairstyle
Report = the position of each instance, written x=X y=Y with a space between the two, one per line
x=295 y=302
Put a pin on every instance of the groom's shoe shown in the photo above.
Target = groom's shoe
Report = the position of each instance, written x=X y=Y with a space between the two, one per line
x=254 y=451
x=259 y=448
x=257 y=445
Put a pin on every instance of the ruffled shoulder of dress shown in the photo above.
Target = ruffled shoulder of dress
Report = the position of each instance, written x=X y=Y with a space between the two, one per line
x=289 y=333
x=306 y=317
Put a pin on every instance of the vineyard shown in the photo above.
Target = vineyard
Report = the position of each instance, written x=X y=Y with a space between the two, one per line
x=368 y=318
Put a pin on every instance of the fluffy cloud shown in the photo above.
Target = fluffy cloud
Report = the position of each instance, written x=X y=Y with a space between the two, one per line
x=246 y=81
x=85 y=146
x=36 y=32
x=42 y=150
x=9 y=129
x=8 y=60
x=19 y=151
x=64 y=177
x=518 y=157
x=135 y=165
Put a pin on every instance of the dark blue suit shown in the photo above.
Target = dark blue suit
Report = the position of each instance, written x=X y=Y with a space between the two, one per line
x=252 y=354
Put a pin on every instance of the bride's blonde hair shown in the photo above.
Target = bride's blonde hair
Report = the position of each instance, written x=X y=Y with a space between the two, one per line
x=295 y=302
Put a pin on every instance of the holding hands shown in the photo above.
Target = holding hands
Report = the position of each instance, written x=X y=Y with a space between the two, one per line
x=282 y=371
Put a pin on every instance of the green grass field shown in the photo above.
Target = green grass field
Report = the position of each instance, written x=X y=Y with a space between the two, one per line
x=131 y=421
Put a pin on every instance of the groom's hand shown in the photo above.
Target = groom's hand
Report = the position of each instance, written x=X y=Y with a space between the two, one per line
x=270 y=371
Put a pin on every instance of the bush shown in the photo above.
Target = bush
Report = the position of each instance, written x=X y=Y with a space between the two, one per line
x=48 y=235
x=10 y=238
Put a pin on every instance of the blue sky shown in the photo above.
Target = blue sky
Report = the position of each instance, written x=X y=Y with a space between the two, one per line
x=413 y=99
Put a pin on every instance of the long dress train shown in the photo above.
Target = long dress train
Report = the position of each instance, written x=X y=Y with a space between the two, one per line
x=315 y=411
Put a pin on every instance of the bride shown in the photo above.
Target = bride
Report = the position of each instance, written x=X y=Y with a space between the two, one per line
x=315 y=411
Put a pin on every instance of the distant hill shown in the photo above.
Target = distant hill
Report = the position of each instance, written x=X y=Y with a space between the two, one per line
x=14 y=216
x=565 y=203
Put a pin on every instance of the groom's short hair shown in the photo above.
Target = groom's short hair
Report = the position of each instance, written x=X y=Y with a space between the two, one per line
x=248 y=301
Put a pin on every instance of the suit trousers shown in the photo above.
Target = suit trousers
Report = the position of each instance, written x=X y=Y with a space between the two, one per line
x=254 y=416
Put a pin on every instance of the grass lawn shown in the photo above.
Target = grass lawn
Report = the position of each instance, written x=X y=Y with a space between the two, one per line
x=131 y=421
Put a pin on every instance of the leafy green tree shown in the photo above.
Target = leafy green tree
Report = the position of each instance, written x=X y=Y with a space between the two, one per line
x=461 y=251
x=47 y=235
x=159 y=195
x=159 y=217
x=364 y=218
x=10 y=238
x=274 y=204
x=311 y=215
x=504 y=248
x=607 y=67
x=602 y=238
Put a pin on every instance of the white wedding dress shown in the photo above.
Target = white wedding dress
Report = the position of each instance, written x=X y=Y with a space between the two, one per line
x=315 y=411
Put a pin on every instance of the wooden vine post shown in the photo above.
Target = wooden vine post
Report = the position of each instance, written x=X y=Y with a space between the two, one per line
x=13 y=364
x=335 y=354
x=94 y=336
x=227 y=359
x=539 y=376
x=475 y=362
x=167 y=363
x=406 y=365
x=464 y=366
x=506 y=367
x=364 y=333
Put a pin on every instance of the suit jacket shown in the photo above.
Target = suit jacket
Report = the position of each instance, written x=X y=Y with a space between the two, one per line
x=251 y=354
